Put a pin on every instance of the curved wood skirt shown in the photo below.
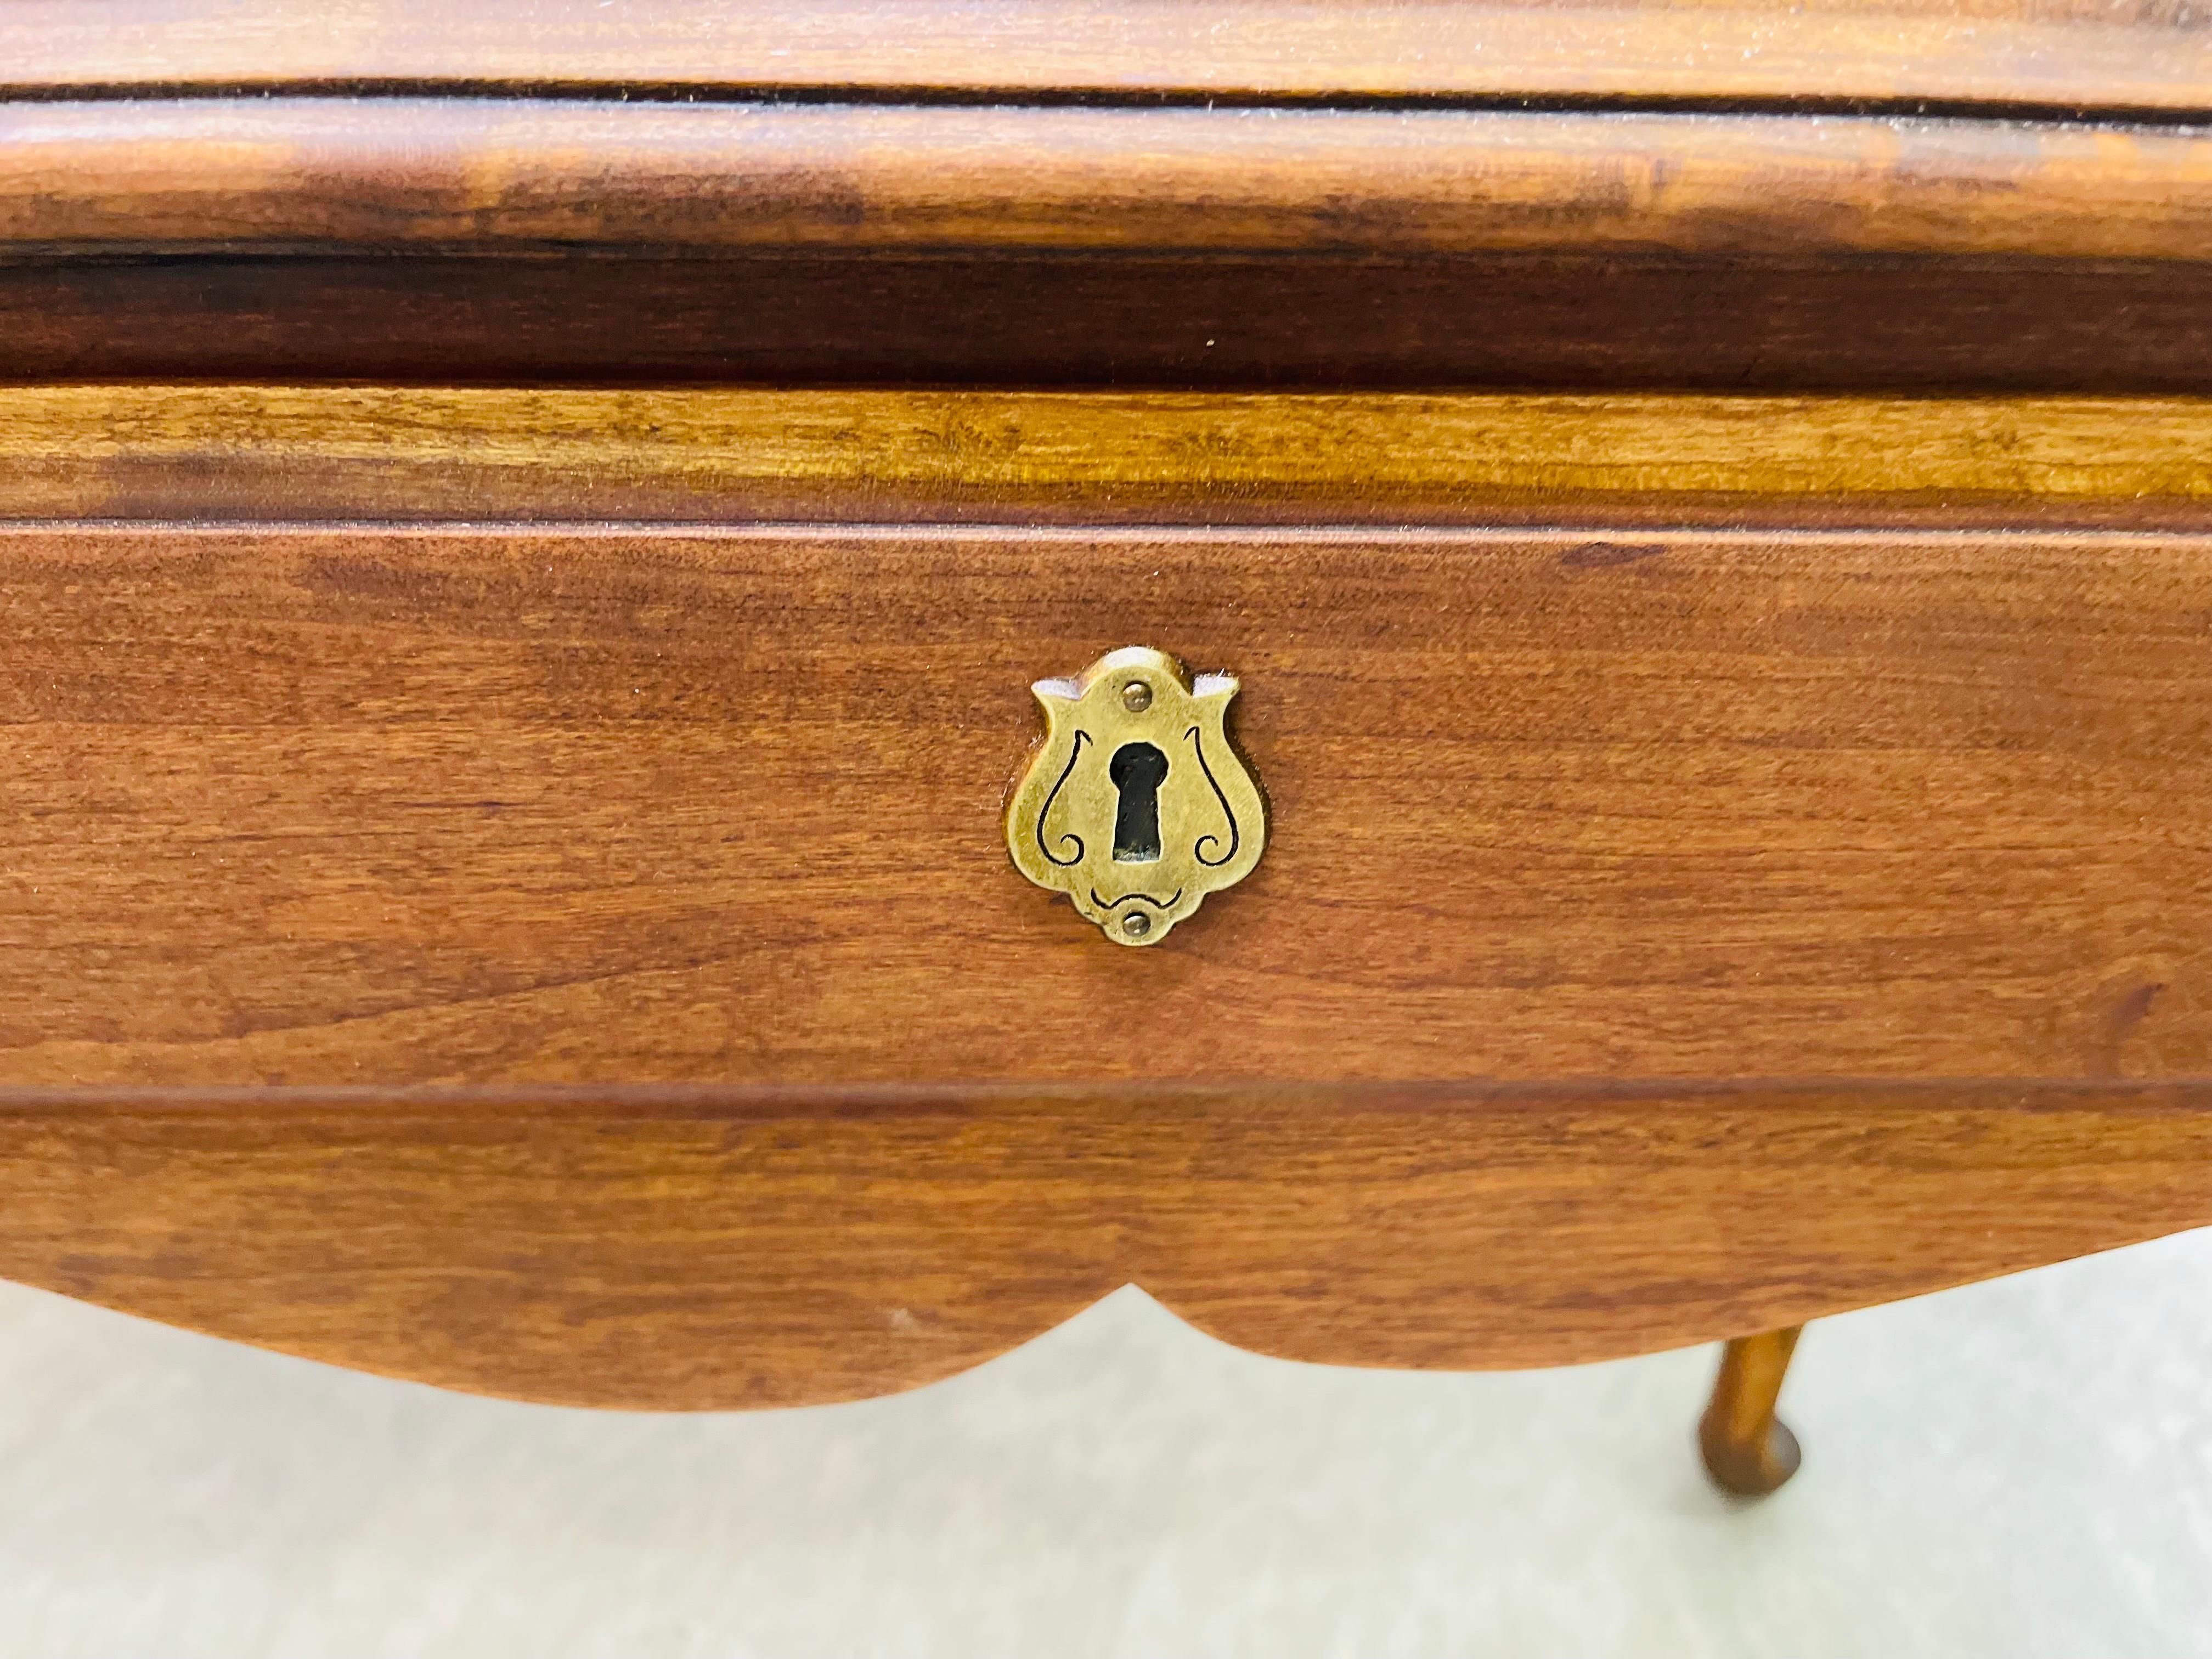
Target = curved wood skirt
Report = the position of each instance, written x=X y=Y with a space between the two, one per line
x=708 y=1252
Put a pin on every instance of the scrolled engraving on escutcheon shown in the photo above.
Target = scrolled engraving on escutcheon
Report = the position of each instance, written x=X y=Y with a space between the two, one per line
x=1136 y=805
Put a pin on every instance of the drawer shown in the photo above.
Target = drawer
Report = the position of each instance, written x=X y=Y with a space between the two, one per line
x=512 y=888
x=677 y=806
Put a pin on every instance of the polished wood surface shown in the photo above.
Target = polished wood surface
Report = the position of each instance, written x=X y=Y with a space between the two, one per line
x=2065 y=55
x=734 y=1249
x=502 y=871
x=582 y=962
x=612 y=807
x=565 y=454
x=1026 y=319
x=500 y=874
x=1747 y=1450
x=497 y=174
x=620 y=233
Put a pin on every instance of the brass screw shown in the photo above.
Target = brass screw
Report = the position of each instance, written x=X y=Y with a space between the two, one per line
x=1136 y=697
x=1136 y=926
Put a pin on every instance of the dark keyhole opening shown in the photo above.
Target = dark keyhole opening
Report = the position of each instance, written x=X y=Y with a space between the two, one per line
x=1137 y=770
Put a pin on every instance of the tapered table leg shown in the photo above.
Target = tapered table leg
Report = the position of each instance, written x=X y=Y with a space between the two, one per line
x=1747 y=1450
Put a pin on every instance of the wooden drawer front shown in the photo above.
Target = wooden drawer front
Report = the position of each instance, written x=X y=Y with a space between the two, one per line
x=323 y=806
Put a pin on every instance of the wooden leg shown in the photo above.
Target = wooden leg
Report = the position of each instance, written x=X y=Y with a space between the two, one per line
x=1747 y=1450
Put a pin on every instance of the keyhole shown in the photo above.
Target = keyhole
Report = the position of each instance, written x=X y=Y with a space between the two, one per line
x=1137 y=770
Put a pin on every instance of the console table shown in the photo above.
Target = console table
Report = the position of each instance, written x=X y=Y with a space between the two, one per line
x=722 y=705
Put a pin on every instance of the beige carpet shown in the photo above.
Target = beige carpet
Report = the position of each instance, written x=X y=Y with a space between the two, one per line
x=2018 y=1468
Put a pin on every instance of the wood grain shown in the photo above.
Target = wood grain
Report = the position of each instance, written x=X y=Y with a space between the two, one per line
x=1947 y=326
x=2051 y=54
x=583 y=964
x=1114 y=243
x=1732 y=857
x=490 y=175
x=619 y=807
x=447 y=453
x=732 y=1250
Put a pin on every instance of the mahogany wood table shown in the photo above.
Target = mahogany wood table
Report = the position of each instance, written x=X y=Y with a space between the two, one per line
x=632 y=638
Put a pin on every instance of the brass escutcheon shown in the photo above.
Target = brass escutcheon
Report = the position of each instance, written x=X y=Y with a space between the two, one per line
x=1136 y=805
